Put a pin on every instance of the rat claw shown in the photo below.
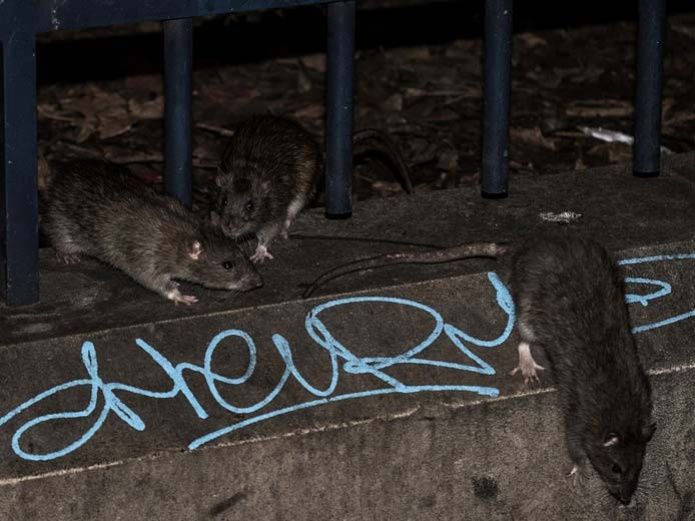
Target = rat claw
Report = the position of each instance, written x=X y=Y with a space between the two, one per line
x=527 y=365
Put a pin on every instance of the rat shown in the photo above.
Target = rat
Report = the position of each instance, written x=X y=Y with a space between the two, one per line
x=570 y=302
x=269 y=172
x=97 y=209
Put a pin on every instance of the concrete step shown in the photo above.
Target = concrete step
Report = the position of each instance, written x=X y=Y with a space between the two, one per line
x=384 y=397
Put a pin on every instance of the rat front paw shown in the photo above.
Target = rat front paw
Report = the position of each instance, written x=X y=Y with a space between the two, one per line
x=261 y=254
x=527 y=365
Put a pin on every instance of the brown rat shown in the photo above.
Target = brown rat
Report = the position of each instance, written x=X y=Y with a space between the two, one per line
x=269 y=172
x=570 y=303
x=97 y=209
x=267 y=175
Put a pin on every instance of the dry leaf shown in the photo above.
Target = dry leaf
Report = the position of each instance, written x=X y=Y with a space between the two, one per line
x=600 y=109
x=315 y=61
x=314 y=111
x=532 y=136
x=303 y=81
x=532 y=40
x=448 y=160
x=393 y=103
x=152 y=109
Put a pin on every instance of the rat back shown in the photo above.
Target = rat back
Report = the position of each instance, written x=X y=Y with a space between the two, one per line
x=99 y=210
x=567 y=288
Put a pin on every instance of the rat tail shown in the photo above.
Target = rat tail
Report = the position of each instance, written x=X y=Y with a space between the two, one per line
x=375 y=141
x=45 y=175
x=462 y=251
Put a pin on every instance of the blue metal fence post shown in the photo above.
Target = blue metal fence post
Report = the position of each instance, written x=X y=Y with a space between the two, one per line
x=178 y=61
x=646 y=151
x=498 y=63
x=18 y=153
x=339 y=108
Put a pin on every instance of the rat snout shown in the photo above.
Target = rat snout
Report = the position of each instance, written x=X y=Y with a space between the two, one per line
x=231 y=230
x=624 y=494
x=254 y=280
x=248 y=282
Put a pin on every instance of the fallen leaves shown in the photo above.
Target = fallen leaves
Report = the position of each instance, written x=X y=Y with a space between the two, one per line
x=600 y=108
x=427 y=97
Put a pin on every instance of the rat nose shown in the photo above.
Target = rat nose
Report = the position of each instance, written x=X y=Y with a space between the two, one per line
x=253 y=281
x=624 y=496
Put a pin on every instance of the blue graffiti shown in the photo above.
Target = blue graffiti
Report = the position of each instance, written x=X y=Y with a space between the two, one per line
x=342 y=361
x=664 y=291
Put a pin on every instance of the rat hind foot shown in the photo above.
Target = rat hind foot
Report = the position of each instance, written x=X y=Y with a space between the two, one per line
x=527 y=365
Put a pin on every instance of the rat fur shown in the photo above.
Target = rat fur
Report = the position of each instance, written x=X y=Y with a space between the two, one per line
x=570 y=303
x=97 y=209
x=268 y=174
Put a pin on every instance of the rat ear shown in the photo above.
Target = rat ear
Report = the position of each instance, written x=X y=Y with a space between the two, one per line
x=611 y=439
x=219 y=178
x=195 y=249
x=648 y=431
x=214 y=218
x=265 y=186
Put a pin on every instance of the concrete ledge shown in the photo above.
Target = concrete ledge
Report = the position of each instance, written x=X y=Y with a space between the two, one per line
x=433 y=431
x=385 y=398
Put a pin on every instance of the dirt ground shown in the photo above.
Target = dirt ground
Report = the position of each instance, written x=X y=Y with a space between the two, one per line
x=428 y=97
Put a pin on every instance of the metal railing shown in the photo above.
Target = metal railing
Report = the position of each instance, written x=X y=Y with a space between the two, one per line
x=22 y=20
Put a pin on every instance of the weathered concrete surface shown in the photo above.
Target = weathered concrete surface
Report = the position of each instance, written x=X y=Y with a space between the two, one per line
x=409 y=451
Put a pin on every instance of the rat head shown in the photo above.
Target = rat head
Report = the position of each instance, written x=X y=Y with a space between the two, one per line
x=214 y=261
x=617 y=457
x=239 y=204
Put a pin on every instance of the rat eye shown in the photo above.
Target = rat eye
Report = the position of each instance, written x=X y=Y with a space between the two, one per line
x=616 y=469
x=249 y=206
x=224 y=202
x=227 y=265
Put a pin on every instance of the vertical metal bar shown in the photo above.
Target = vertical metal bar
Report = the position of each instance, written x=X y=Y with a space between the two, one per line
x=339 y=108
x=18 y=189
x=178 y=61
x=650 y=45
x=498 y=63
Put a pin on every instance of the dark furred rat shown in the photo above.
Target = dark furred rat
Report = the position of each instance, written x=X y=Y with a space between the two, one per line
x=570 y=303
x=97 y=209
x=269 y=172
